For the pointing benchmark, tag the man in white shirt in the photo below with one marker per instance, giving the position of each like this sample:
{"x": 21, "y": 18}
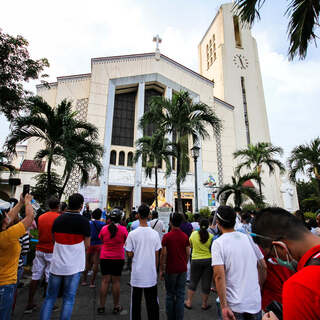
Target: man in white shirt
{"x": 143, "y": 244}
{"x": 235, "y": 261}
{"x": 157, "y": 225}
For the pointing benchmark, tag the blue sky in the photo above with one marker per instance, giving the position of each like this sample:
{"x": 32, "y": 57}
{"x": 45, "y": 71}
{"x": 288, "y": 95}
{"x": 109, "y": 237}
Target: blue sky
{"x": 69, "y": 33}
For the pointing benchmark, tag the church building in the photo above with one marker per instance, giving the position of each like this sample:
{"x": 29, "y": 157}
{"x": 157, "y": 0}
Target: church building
{"x": 115, "y": 94}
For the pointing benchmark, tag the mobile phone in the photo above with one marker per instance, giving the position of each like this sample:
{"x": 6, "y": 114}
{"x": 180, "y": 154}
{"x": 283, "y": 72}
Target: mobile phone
{"x": 276, "y": 308}
{"x": 26, "y": 189}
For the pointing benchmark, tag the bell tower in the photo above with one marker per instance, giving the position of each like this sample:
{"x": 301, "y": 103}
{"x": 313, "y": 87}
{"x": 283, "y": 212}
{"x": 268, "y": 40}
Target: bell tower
{"x": 228, "y": 55}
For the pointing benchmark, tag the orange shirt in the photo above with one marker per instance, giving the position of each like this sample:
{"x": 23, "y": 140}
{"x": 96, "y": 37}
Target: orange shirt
{"x": 45, "y": 224}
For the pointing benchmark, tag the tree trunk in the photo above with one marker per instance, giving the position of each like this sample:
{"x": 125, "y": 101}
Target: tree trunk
{"x": 180, "y": 207}
{"x": 260, "y": 188}
{"x": 49, "y": 182}
{"x": 156, "y": 185}
{"x": 64, "y": 185}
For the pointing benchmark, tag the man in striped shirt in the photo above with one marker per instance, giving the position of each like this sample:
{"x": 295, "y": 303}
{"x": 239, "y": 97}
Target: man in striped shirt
{"x": 71, "y": 233}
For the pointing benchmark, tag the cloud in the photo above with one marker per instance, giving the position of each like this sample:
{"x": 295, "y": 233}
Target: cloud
{"x": 292, "y": 94}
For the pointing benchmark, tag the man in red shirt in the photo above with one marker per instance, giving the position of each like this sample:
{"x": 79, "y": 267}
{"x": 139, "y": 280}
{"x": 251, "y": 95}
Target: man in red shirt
{"x": 44, "y": 249}
{"x": 284, "y": 237}
{"x": 173, "y": 266}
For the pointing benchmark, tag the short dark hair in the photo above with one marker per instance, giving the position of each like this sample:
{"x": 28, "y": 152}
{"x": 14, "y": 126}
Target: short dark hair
{"x": 75, "y": 201}
{"x": 226, "y": 217}
{"x": 276, "y": 224}
{"x": 237, "y": 209}
{"x": 196, "y": 217}
{"x": 53, "y": 203}
{"x": 96, "y": 214}
{"x": 155, "y": 214}
{"x": 63, "y": 206}
{"x": 143, "y": 211}
{"x": 176, "y": 219}
{"x": 245, "y": 216}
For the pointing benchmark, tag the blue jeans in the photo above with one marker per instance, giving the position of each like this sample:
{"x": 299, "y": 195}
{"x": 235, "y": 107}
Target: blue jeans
{"x": 70, "y": 286}
{"x": 175, "y": 286}
{"x": 6, "y": 300}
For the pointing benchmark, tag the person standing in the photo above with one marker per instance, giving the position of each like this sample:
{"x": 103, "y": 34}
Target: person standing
{"x": 157, "y": 225}
{"x": 235, "y": 262}
{"x": 201, "y": 269}
{"x": 71, "y": 233}
{"x": 173, "y": 267}
{"x": 10, "y": 250}
{"x": 143, "y": 244}
{"x": 93, "y": 252}
{"x": 44, "y": 249}
{"x": 113, "y": 237}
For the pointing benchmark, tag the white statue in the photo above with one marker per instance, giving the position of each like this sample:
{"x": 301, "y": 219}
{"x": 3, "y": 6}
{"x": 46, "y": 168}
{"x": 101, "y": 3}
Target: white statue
{"x": 287, "y": 194}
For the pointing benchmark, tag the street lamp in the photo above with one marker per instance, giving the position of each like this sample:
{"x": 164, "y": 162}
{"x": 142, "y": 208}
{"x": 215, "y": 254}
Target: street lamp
{"x": 195, "y": 151}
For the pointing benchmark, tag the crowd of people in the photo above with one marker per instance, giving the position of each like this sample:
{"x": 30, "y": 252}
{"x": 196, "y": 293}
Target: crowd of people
{"x": 261, "y": 265}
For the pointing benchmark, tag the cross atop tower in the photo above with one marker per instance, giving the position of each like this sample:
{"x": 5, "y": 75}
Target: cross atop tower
{"x": 157, "y": 40}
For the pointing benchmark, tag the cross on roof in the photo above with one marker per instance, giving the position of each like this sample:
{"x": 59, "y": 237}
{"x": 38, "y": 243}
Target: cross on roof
{"x": 157, "y": 40}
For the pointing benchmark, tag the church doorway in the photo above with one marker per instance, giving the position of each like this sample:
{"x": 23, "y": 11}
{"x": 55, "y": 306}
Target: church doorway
{"x": 120, "y": 197}
{"x": 147, "y": 196}
{"x": 187, "y": 201}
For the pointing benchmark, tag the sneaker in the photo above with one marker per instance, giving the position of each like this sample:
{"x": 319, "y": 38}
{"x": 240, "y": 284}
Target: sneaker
{"x": 30, "y": 309}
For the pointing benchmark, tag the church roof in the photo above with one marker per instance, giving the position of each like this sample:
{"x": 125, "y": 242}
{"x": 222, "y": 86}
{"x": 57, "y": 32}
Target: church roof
{"x": 152, "y": 54}
{"x": 33, "y": 166}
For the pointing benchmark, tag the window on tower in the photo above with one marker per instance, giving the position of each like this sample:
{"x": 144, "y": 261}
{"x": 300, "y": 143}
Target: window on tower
{"x": 211, "y": 51}
{"x": 237, "y": 35}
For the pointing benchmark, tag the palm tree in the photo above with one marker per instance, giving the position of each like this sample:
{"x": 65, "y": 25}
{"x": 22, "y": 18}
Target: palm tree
{"x": 84, "y": 154}
{"x": 57, "y": 128}
{"x": 153, "y": 151}
{"x": 239, "y": 191}
{"x": 181, "y": 118}
{"x": 257, "y": 155}
{"x": 305, "y": 158}
{"x": 303, "y": 19}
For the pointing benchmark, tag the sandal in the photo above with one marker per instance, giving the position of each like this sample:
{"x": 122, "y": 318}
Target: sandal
{"x": 117, "y": 309}
{"x": 101, "y": 310}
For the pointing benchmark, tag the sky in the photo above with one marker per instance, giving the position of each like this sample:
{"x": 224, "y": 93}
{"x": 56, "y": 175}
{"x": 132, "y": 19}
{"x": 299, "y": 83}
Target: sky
{"x": 70, "y": 33}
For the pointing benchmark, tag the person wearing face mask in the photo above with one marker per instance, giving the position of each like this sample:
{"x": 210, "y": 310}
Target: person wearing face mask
{"x": 284, "y": 237}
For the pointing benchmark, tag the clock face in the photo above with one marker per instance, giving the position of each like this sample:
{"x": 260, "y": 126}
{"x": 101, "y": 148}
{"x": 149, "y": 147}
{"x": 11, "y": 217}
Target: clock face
{"x": 240, "y": 61}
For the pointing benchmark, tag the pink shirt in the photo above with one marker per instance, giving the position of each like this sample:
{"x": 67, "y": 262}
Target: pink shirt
{"x": 113, "y": 248}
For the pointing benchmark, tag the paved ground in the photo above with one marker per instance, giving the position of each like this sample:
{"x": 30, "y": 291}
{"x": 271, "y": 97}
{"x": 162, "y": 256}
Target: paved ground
{"x": 87, "y": 300}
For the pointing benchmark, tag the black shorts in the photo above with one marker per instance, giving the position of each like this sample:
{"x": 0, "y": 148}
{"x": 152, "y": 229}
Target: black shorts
{"x": 111, "y": 267}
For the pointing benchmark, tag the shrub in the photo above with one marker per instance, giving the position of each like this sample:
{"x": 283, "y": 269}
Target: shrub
{"x": 310, "y": 215}
{"x": 205, "y": 212}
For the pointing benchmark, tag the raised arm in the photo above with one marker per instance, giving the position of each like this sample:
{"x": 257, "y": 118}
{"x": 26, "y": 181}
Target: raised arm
{"x": 27, "y": 221}
{"x": 13, "y": 213}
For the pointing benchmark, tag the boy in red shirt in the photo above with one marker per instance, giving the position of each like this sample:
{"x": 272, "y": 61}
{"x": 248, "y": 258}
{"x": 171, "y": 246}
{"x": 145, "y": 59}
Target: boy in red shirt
{"x": 173, "y": 267}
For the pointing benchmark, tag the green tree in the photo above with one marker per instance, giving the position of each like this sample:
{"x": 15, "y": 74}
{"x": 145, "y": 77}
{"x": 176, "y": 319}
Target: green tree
{"x": 257, "y": 155}
{"x": 153, "y": 151}
{"x": 181, "y": 118}
{"x": 16, "y": 67}
{"x": 60, "y": 132}
{"x": 84, "y": 155}
{"x": 40, "y": 192}
{"x": 306, "y": 189}
{"x": 239, "y": 191}
{"x": 305, "y": 159}
{"x": 303, "y": 20}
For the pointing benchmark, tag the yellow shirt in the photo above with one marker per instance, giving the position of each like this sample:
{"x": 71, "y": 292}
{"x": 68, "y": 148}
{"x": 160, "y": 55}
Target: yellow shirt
{"x": 9, "y": 253}
{"x": 200, "y": 250}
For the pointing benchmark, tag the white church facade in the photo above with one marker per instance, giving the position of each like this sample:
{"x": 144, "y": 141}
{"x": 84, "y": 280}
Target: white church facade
{"x": 115, "y": 95}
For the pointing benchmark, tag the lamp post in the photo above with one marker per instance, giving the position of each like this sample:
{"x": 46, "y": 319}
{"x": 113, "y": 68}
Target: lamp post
{"x": 195, "y": 154}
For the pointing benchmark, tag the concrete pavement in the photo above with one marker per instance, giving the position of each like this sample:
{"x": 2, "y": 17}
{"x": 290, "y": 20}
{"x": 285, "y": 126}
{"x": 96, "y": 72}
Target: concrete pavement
{"x": 87, "y": 299}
